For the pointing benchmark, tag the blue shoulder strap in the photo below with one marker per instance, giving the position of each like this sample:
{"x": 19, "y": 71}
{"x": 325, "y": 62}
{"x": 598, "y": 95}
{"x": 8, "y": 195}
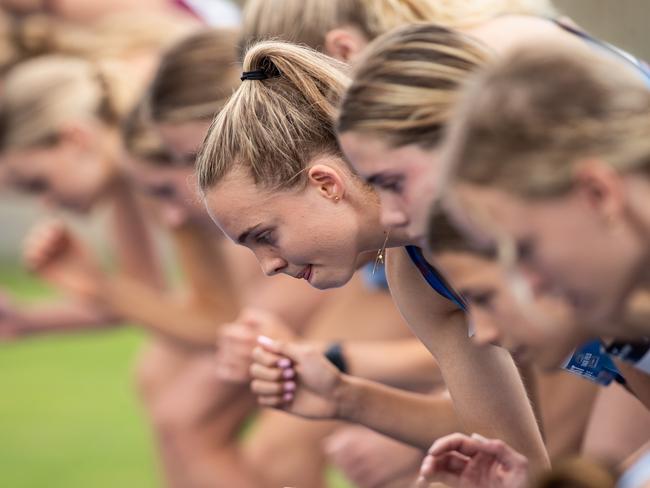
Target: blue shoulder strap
{"x": 433, "y": 277}
{"x": 641, "y": 66}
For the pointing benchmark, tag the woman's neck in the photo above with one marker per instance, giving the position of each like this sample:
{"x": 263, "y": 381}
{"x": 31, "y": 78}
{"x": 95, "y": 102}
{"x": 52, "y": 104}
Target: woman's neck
{"x": 373, "y": 235}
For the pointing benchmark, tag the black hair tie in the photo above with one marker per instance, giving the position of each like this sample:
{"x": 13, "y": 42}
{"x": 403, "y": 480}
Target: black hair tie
{"x": 258, "y": 74}
{"x": 268, "y": 70}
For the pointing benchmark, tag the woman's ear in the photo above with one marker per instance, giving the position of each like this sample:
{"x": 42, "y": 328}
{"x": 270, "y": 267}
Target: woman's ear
{"x": 327, "y": 180}
{"x": 602, "y": 188}
{"x": 345, "y": 43}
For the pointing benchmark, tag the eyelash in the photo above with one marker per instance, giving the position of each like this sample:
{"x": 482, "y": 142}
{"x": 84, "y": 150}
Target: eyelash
{"x": 392, "y": 185}
{"x": 265, "y": 237}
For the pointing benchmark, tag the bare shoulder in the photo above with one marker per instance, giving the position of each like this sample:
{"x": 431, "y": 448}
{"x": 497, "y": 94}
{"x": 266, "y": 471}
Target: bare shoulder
{"x": 411, "y": 292}
{"x": 505, "y": 33}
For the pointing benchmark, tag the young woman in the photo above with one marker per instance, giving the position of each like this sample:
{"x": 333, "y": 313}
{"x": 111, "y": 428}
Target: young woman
{"x": 589, "y": 178}
{"x": 184, "y": 95}
{"x": 275, "y": 181}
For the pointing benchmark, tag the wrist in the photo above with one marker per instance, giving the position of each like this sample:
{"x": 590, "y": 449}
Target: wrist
{"x": 346, "y": 397}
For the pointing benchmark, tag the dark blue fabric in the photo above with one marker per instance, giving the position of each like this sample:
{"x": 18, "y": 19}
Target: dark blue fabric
{"x": 434, "y": 278}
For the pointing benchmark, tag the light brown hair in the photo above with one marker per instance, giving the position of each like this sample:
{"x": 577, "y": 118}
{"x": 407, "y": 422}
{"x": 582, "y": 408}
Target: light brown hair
{"x": 308, "y": 21}
{"x": 526, "y": 121}
{"x": 273, "y": 127}
{"x": 405, "y": 86}
{"x": 195, "y": 77}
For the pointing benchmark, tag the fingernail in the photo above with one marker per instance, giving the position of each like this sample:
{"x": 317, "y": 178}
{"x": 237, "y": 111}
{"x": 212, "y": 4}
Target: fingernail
{"x": 284, "y": 363}
{"x": 289, "y": 386}
{"x": 479, "y": 437}
{"x": 287, "y": 397}
{"x": 265, "y": 341}
{"x": 287, "y": 374}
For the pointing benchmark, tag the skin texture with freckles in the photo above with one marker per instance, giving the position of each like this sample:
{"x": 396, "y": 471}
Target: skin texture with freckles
{"x": 284, "y": 237}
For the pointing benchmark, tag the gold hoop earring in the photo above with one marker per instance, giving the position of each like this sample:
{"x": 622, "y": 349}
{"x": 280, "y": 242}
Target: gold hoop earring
{"x": 381, "y": 255}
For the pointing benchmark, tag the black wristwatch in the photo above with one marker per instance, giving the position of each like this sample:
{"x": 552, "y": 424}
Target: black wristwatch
{"x": 334, "y": 354}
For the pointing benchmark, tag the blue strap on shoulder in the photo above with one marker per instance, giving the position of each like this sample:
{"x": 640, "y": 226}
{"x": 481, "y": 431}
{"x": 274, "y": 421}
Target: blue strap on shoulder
{"x": 433, "y": 277}
{"x": 641, "y": 66}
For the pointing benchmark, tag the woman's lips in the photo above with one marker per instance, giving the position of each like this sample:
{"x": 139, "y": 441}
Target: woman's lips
{"x": 304, "y": 274}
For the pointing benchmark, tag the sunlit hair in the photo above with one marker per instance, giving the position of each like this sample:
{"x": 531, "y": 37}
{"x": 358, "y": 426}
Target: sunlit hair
{"x": 195, "y": 77}
{"x": 308, "y": 21}
{"x": 526, "y": 121}
{"x": 41, "y": 95}
{"x": 273, "y": 128}
{"x": 405, "y": 86}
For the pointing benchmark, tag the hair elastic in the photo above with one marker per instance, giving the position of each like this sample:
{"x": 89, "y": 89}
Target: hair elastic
{"x": 258, "y": 74}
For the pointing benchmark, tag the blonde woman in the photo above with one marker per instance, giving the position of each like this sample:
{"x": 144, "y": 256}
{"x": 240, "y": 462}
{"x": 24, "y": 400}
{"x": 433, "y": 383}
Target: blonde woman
{"x": 184, "y": 95}
{"x": 602, "y": 146}
{"x": 301, "y": 209}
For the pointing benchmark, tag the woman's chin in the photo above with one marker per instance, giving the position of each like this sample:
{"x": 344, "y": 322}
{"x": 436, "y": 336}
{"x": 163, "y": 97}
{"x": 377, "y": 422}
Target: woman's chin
{"x": 320, "y": 282}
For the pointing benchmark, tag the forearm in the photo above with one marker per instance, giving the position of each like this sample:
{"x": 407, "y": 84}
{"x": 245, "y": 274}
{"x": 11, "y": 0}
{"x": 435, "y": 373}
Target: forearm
{"x": 162, "y": 314}
{"x": 412, "y": 418}
{"x": 65, "y": 317}
{"x": 403, "y": 363}
{"x": 132, "y": 238}
{"x": 206, "y": 270}
{"x": 484, "y": 383}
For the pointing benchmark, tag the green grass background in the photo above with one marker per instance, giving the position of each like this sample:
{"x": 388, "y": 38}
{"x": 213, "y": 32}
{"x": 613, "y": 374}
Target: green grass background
{"x": 69, "y": 417}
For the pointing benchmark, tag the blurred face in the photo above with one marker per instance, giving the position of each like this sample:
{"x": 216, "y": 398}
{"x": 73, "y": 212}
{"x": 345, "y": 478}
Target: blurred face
{"x": 564, "y": 245}
{"x": 64, "y": 174}
{"x": 184, "y": 140}
{"x": 175, "y": 191}
{"x": 313, "y": 232}
{"x": 405, "y": 179}
{"x": 540, "y": 331}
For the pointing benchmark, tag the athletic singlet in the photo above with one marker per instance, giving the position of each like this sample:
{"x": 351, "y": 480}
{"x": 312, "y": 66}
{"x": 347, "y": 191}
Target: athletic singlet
{"x": 591, "y": 361}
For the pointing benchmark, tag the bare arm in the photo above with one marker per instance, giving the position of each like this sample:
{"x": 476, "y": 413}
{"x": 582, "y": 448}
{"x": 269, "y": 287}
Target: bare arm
{"x": 298, "y": 379}
{"x": 413, "y": 418}
{"x": 403, "y": 363}
{"x": 489, "y": 396}
{"x": 132, "y": 240}
{"x": 18, "y": 322}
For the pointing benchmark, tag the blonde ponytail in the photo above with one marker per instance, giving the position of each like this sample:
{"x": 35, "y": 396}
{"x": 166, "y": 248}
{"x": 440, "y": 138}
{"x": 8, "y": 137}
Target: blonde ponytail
{"x": 273, "y": 127}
